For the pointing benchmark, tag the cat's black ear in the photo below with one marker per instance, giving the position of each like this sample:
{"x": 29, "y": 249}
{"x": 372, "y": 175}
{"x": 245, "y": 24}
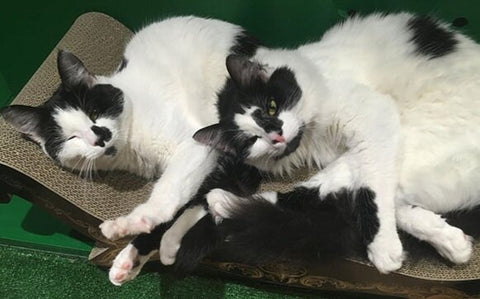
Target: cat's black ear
{"x": 243, "y": 71}
{"x": 214, "y": 136}
{"x": 24, "y": 119}
{"x": 72, "y": 71}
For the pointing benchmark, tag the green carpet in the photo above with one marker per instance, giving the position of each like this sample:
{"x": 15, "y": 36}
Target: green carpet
{"x": 27, "y": 273}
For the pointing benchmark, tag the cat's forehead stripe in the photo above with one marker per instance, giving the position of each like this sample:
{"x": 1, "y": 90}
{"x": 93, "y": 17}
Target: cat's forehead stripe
{"x": 70, "y": 119}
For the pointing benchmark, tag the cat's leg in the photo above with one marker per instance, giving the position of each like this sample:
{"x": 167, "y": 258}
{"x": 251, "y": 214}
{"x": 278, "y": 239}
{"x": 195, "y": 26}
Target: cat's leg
{"x": 128, "y": 263}
{"x": 172, "y": 239}
{"x": 369, "y": 168}
{"x": 186, "y": 170}
{"x": 449, "y": 241}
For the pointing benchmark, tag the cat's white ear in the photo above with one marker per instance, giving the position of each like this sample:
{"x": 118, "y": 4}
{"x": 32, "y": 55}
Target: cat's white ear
{"x": 24, "y": 119}
{"x": 213, "y": 136}
{"x": 245, "y": 72}
{"x": 72, "y": 71}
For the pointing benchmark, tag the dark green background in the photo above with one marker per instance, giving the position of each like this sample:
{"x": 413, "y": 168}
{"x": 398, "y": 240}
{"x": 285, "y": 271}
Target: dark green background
{"x": 30, "y": 29}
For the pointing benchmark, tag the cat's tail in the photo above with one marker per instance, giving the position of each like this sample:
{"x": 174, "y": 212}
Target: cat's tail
{"x": 258, "y": 231}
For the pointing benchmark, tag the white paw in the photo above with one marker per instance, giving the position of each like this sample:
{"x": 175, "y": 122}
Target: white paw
{"x": 386, "y": 253}
{"x": 220, "y": 202}
{"x": 126, "y": 225}
{"x": 453, "y": 244}
{"x": 169, "y": 247}
{"x": 126, "y": 265}
{"x": 331, "y": 180}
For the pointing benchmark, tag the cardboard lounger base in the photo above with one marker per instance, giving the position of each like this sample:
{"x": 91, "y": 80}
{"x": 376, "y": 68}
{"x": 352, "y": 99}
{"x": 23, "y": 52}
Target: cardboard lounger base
{"x": 99, "y": 41}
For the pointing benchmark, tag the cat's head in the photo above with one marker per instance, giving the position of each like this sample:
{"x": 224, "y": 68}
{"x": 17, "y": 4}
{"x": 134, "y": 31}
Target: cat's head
{"x": 258, "y": 113}
{"x": 79, "y": 123}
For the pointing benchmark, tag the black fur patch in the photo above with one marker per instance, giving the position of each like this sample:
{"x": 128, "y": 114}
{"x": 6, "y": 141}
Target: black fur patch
{"x": 146, "y": 243}
{"x": 300, "y": 199}
{"x": 366, "y": 214}
{"x": 431, "y": 38}
{"x": 267, "y": 122}
{"x": 103, "y": 133}
{"x": 245, "y": 44}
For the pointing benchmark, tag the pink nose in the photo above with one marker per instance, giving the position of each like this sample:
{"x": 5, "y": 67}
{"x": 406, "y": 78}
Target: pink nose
{"x": 278, "y": 139}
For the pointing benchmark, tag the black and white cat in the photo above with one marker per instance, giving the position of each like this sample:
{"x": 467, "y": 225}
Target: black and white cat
{"x": 142, "y": 117}
{"x": 387, "y": 106}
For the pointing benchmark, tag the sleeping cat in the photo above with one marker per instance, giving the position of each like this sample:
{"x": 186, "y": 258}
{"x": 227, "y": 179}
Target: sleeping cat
{"x": 385, "y": 106}
{"x": 141, "y": 117}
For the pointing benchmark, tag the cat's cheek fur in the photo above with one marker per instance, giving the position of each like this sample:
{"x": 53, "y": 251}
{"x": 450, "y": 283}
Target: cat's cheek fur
{"x": 260, "y": 149}
{"x": 291, "y": 124}
{"x": 76, "y": 149}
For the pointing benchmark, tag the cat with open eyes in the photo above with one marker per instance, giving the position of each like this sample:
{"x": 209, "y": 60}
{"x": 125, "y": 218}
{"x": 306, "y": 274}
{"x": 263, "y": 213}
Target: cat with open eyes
{"x": 386, "y": 106}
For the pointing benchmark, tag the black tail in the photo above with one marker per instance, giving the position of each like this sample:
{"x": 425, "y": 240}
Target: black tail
{"x": 312, "y": 229}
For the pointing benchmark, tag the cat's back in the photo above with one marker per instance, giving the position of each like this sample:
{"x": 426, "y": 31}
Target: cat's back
{"x": 398, "y": 54}
{"x": 178, "y": 65}
{"x": 180, "y": 49}
{"x": 182, "y": 35}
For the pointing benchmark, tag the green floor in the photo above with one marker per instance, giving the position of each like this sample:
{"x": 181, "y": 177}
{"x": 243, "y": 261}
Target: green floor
{"x": 37, "y": 274}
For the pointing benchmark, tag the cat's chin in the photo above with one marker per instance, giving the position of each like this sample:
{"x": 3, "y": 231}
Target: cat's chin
{"x": 111, "y": 151}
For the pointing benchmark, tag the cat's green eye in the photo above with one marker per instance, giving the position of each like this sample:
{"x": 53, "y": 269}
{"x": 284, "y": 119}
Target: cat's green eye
{"x": 272, "y": 107}
{"x": 93, "y": 115}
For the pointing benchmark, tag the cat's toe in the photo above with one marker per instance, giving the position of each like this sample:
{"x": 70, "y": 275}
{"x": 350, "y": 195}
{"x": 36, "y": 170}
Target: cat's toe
{"x": 127, "y": 265}
{"x": 454, "y": 245}
{"x": 140, "y": 224}
{"x": 386, "y": 255}
{"x": 109, "y": 229}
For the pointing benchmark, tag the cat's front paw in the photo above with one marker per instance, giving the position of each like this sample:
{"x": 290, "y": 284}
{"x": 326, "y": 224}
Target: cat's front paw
{"x": 220, "y": 203}
{"x": 126, "y": 226}
{"x": 331, "y": 180}
{"x": 453, "y": 244}
{"x": 126, "y": 265}
{"x": 386, "y": 253}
